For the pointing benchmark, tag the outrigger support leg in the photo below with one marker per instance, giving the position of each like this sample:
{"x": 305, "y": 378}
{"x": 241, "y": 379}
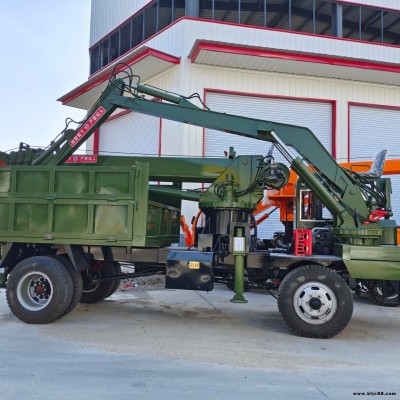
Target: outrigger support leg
{"x": 239, "y": 247}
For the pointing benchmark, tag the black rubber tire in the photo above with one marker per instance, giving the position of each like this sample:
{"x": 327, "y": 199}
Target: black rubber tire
{"x": 375, "y": 293}
{"x": 334, "y": 291}
{"x": 52, "y": 277}
{"x": 76, "y": 281}
{"x": 102, "y": 290}
{"x": 117, "y": 282}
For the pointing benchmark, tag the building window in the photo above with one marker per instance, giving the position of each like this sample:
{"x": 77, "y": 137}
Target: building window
{"x": 151, "y": 19}
{"x": 114, "y": 47}
{"x": 207, "y": 9}
{"x": 371, "y": 24}
{"x": 125, "y": 37}
{"x": 179, "y": 9}
{"x": 104, "y": 47}
{"x": 277, "y": 14}
{"x": 164, "y": 13}
{"x": 303, "y": 16}
{"x": 321, "y": 17}
{"x": 391, "y": 28}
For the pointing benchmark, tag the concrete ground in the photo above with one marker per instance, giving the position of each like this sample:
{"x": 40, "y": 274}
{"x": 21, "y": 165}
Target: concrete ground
{"x": 170, "y": 344}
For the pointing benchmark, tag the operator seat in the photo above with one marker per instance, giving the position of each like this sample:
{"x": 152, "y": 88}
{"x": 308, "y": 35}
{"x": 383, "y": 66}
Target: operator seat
{"x": 376, "y": 170}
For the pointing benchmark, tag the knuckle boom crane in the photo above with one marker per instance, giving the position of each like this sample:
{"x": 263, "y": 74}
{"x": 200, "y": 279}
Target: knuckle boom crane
{"x": 65, "y": 227}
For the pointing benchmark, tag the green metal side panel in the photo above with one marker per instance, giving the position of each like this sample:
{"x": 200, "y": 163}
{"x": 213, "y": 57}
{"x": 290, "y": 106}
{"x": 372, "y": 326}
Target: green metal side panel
{"x": 371, "y": 262}
{"x": 174, "y": 168}
{"x": 84, "y": 205}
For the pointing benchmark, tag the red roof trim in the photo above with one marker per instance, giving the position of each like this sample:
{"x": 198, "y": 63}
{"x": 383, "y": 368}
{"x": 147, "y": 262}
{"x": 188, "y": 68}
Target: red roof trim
{"x": 237, "y": 50}
{"x": 90, "y": 84}
{"x": 268, "y": 96}
{"x": 372, "y": 105}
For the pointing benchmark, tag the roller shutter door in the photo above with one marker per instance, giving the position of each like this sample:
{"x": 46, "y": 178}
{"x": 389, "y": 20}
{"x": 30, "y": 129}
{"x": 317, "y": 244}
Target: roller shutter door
{"x": 371, "y": 130}
{"x": 131, "y": 134}
{"x": 314, "y": 115}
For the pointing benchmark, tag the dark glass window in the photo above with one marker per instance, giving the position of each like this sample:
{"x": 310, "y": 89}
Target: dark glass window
{"x": 229, "y": 11}
{"x": 278, "y": 14}
{"x": 391, "y": 27}
{"x": 178, "y": 9}
{"x": 302, "y": 14}
{"x": 323, "y": 17}
{"x": 351, "y": 22}
{"x": 223, "y": 10}
{"x": 164, "y": 13}
{"x": 252, "y": 12}
{"x": 206, "y": 9}
{"x": 150, "y": 20}
{"x": 125, "y": 39}
{"x": 104, "y": 50}
{"x": 114, "y": 46}
{"x": 95, "y": 59}
{"x": 371, "y": 24}
{"x": 137, "y": 30}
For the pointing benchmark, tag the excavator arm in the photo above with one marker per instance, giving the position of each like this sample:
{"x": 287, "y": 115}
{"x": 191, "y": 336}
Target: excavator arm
{"x": 332, "y": 184}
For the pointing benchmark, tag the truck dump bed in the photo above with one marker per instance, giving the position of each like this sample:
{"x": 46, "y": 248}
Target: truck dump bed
{"x": 85, "y": 205}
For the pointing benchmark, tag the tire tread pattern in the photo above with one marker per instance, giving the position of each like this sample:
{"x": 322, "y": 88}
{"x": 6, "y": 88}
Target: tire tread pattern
{"x": 62, "y": 289}
{"x": 297, "y": 277}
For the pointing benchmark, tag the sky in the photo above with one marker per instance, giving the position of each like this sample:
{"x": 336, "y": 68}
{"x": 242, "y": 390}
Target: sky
{"x": 44, "y": 55}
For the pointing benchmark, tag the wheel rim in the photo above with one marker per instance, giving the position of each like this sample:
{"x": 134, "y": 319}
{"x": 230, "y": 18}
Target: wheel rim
{"x": 93, "y": 283}
{"x": 35, "y": 291}
{"x": 91, "y": 288}
{"x": 392, "y": 293}
{"x": 315, "y": 303}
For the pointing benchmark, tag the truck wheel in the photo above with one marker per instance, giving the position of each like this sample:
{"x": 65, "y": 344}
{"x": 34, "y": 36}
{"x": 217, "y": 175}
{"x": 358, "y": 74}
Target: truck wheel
{"x": 76, "y": 281}
{"x": 315, "y": 302}
{"x": 39, "y": 290}
{"x": 390, "y": 300}
{"x": 95, "y": 290}
{"x": 117, "y": 282}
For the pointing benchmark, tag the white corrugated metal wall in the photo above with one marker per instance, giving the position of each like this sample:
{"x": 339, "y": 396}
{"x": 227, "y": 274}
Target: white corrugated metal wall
{"x": 314, "y": 115}
{"x": 130, "y": 134}
{"x": 371, "y": 130}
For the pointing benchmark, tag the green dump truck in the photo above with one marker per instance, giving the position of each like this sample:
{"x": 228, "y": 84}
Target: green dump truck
{"x": 65, "y": 227}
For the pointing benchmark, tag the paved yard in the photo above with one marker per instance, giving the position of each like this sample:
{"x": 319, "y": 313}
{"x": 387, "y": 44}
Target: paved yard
{"x": 167, "y": 344}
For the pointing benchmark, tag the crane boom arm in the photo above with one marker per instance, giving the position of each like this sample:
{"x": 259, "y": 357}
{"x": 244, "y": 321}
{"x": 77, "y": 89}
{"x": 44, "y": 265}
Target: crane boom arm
{"x": 338, "y": 191}
{"x": 334, "y": 186}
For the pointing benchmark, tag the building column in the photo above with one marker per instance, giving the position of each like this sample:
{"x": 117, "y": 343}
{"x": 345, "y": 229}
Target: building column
{"x": 337, "y": 19}
{"x": 192, "y": 8}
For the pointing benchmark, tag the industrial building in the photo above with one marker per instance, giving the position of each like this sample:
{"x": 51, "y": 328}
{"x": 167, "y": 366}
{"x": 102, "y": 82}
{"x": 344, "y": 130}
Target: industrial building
{"x": 330, "y": 65}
